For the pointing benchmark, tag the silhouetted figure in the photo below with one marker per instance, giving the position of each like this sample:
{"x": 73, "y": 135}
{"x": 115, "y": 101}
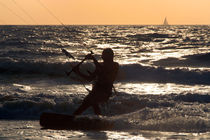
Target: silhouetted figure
{"x": 104, "y": 77}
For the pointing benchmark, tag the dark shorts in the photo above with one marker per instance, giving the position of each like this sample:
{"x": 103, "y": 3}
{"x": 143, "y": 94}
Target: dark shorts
{"x": 99, "y": 94}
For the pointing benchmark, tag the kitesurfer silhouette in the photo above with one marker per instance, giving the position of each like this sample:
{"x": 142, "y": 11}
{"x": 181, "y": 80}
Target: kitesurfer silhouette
{"x": 104, "y": 76}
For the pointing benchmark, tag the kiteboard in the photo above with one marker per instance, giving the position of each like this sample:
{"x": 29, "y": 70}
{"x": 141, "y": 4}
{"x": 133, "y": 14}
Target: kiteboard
{"x": 69, "y": 122}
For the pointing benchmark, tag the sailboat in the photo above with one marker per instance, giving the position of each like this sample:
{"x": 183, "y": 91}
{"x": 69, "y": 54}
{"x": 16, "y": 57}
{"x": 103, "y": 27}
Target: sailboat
{"x": 165, "y": 21}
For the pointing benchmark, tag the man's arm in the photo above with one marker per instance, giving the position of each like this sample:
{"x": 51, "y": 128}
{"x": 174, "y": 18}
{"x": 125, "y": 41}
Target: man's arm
{"x": 116, "y": 69}
{"x": 89, "y": 77}
{"x": 97, "y": 64}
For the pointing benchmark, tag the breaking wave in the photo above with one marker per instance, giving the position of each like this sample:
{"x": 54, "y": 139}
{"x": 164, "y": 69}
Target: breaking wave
{"x": 128, "y": 72}
{"x": 196, "y": 60}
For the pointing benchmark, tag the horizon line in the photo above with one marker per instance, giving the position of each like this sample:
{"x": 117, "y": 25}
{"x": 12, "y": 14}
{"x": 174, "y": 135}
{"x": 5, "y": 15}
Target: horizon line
{"x": 89, "y": 24}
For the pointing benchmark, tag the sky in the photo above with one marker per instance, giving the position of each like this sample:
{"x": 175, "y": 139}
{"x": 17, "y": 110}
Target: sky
{"x": 71, "y": 12}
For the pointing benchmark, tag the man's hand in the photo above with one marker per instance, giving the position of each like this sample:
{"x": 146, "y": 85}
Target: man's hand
{"x": 89, "y": 56}
{"x": 76, "y": 69}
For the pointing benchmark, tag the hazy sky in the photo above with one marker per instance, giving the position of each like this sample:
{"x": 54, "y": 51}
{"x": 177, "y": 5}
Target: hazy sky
{"x": 105, "y": 11}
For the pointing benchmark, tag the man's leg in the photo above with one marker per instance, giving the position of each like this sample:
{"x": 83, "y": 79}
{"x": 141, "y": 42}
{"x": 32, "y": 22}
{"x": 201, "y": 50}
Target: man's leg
{"x": 96, "y": 109}
{"x": 82, "y": 108}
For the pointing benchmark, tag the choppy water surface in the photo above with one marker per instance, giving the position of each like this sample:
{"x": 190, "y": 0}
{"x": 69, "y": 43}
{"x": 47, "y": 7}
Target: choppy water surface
{"x": 163, "y": 83}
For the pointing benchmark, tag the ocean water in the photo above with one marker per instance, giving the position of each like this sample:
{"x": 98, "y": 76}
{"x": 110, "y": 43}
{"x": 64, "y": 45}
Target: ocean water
{"x": 163, "y": 85}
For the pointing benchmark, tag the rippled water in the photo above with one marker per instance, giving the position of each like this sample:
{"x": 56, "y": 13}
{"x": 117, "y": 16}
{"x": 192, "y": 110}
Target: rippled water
{"x": 163, "y": 82}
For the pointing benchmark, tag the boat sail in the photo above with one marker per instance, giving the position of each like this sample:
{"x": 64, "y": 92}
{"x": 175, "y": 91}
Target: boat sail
{"x": 165, "y": 21}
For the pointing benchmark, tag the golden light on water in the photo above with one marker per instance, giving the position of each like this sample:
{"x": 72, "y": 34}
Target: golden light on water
{"x": 158, "y": 88}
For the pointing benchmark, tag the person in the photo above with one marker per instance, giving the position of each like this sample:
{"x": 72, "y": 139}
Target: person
{"x": 104, "y": 76}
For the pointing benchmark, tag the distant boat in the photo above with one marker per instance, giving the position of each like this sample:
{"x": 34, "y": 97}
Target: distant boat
{"x": 165, "y": 21}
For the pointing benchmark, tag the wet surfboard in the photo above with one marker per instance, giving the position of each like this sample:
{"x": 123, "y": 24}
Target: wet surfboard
{"x": 63, "y": 121}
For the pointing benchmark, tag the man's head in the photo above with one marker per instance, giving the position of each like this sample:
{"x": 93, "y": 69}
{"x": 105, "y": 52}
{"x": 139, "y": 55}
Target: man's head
{"x": 108, "y": 54}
